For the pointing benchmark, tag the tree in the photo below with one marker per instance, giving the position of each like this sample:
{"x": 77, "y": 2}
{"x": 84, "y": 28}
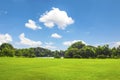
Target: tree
{"x": 41, "y": 52}
{"x": 31, "y": 52}
{"x": 76, "y": 50}
{"x": 77, "y": 45}
{"x": 7, "y": 52}
{"x": 103, "y": 51}
{"x": 18, "y": 52}
{"x": 6, "y": 45}
{"x": 7, "y": 49}
{"x": 118, "y": 52}
{"x": 56, "y": 54}
{"x": 87, "y": 52}
{"x": 1, "y": 53}
{"x": 107, "y": 51}
{"x": 71, "y": 53}
{"x": 62, "y": 53}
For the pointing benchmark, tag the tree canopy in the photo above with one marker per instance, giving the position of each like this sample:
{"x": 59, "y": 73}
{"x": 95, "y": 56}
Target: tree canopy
{"x": 76, "y": 50}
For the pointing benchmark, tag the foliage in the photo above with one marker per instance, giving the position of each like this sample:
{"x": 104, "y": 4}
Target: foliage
{"x": 76, "y": 50}
{"x": 78, "y": 45}
{"x": 80, "y": 50}
{"x": 71, "y": 53}
{"x": 7, "y": 50}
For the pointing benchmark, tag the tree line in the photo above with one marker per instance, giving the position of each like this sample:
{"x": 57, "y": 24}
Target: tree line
{"x": 76, "y": 50}
{"x": 7, "y": 50}
{"x": 80, "y": 50}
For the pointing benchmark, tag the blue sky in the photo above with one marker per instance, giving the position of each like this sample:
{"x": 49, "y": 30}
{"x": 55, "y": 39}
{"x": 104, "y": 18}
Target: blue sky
{"x": 56, "y": 24}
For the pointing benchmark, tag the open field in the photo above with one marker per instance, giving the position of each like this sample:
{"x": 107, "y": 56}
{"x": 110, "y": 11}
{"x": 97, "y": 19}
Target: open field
{"x": 59, "y": 69}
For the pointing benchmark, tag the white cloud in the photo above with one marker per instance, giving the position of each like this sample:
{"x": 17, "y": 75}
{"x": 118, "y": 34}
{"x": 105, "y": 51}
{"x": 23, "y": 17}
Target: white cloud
{"x": 32, "y": 25}
{"x": 27, "y": 42}
{"x": 116, "y": 44}
{"x": 113, "y": 44}
{"x": 68, "y": 43}
{"x": 5, "y": 38}
{"x": 56, "y": 17}
{"x": 49, "y": 45}
{"x": 55, "y": 35}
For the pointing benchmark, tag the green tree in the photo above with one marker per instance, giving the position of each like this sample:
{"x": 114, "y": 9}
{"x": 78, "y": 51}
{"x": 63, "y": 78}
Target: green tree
{"x": 7, "y": 49}
{"x": 77, "y": 45}
{"x": 62, "y": 53}
{"x": 72, "y": 53}
{"x": 31, "y": 52}
{"x": 41, "y": 52}
{"x": 56, "y": 54}
{"x": 118, "y": 52}
{"x": 7, "y": 52}
{"x": 103, "y": 51}
{"x": 87, "y": 52}
{"x": 18, "y": 52}
{"x": 1, "y": 53}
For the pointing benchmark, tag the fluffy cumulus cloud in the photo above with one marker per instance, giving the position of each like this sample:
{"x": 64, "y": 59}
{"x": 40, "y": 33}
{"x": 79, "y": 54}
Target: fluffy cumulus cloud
{"x": 5, "y": 38}
{"x": 111, "y": 44}
{"x": 114, "y": 44}
{"x": 55, "y": 35}
{"x": 68, "y": 43}
{"x": 56, "y": 17}
{"x": 32, "y": 25}
{"x": 27, "y": 42}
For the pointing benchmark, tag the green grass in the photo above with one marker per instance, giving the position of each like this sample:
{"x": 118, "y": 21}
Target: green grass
{"x": 59, "y": 69}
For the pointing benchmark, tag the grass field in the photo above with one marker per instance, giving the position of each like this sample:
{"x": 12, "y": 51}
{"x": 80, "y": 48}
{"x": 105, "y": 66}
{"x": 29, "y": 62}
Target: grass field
{"x": 59, "y": 69}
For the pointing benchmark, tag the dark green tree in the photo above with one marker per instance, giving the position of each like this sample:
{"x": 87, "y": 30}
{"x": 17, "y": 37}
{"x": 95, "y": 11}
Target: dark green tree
{"x": 72, "y": 53}
{"x": 56, "y": 54}
{"x": 87, "y": 52}
{"x": 18, "y": 52}
{"x": 7, "y": 49}
{"x": 77, "y": 45}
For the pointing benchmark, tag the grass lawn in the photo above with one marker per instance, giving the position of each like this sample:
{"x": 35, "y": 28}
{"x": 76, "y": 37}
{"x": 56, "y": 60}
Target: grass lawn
{"x": 59, "y": 69}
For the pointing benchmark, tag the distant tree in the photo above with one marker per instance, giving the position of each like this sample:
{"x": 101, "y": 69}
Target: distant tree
{"x": 62, "y": 53}
{"x": 71, "y": 52}
{"x": 107, "y": 51}
{"x": 1, "y": 54}
{"x": 76, "y": 50}
{"x": 87, "y": 52}
{"x": 56, "y": 54}
{"x": 31, "y": 52}
{"x": 118, "y": 52}
{"x": 77, "y": 45}
{"x": 114, "y": 53}
{"x": 42, "y": 52}
{"x": 7, "y": 52}
{"x": 25, "y": 52}
{"x": 103, "y": 51}
{"x": 18, "y": 52}
{"x": 7, "y": 49}
{"x": 6, "y": 45}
